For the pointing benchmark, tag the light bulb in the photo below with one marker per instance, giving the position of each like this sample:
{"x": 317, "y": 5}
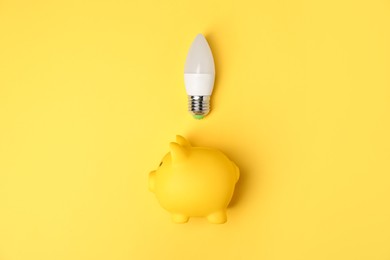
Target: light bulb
{"x": 199, "y": 75}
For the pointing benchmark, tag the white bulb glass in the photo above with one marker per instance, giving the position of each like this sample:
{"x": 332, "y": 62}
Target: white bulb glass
{"x": 199, "y": 76}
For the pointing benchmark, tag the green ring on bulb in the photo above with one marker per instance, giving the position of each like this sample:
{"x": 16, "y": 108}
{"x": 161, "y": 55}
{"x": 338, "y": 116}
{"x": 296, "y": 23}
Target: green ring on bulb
{"x": 198, "y": 117}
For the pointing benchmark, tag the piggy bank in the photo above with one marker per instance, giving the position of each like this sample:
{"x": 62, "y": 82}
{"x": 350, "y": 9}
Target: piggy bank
{"x": 194, "y": 182}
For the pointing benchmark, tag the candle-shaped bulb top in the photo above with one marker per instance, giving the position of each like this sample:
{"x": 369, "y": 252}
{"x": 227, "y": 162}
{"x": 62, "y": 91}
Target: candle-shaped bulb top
{"x": 199, "y": 75}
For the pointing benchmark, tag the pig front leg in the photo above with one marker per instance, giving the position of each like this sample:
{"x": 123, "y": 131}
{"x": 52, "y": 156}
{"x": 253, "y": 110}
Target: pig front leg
{"x": 179, "y": 218}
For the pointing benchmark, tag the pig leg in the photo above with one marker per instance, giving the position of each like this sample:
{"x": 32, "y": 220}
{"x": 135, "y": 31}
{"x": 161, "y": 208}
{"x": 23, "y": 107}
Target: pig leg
{"x": 218, "y": 217}
{"x": 179, "y": 218}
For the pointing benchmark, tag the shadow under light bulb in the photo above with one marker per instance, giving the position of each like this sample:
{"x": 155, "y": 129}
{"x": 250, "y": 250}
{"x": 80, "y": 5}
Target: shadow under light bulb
{"x": 199, "y": 75}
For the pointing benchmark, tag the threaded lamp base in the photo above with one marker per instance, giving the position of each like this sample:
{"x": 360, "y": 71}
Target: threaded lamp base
{"x": 199, "y": 106}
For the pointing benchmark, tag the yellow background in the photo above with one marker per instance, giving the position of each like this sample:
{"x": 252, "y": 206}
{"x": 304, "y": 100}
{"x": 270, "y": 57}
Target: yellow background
{"x": 91, "y": 93}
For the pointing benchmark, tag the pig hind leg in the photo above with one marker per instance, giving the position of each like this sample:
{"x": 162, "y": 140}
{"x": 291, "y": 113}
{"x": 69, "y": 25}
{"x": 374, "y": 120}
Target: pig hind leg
{"x": 218, "y": 217}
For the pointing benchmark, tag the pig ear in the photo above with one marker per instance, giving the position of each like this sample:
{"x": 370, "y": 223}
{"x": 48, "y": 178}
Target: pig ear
{"x": 182, "y": 141}
{"x": 178, "y": 152}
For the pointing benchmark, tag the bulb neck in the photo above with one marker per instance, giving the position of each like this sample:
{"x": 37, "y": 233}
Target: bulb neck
{"x": 199, "y": 106}
{"x": 198, "y": 84}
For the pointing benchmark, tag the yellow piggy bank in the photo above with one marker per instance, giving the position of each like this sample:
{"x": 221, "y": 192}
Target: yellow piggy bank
{"x": 194, "y": 182}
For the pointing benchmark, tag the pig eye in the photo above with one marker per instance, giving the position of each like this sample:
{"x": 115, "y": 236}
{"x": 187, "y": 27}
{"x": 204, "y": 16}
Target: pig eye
{"x": 160, "y": 164}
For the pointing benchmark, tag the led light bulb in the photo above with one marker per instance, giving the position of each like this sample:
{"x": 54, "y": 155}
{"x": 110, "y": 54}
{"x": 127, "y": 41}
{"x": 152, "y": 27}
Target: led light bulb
{"x": 199, "y": 75}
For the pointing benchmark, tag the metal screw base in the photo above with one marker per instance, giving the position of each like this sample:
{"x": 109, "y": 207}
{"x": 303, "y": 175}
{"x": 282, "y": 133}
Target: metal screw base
{"x": 199, "y": 106}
